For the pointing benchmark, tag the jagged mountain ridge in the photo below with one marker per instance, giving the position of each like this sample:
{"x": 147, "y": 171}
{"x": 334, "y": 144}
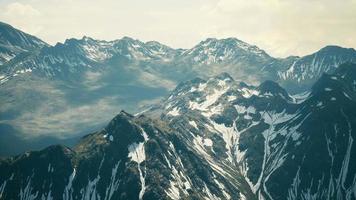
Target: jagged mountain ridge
{"x": 230, "y": 54}
{"x": 239, "y": 58}
{"x": 78, "y": 56}
{"x": 215, "y": 139}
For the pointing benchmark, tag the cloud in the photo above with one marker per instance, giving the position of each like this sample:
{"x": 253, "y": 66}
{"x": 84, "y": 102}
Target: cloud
{"x": 92, "y": 80}
{"x": 23, "y": 16}
{"x": 68, "y": 120}
{"x": 285, "y": 27}
{"x": 24, "y": 10}
{"x": 58, "y": 112}
{"x": 155, "y": 81}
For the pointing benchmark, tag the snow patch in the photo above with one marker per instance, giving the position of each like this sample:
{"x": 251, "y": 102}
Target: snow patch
{"x": 231, "y": 98}
{"x": 68, "y": 190}
{"x": 247, "y": 93}
{"x": 174, "y": 112}
{"x": 192, "y": 123}
{"x": 137, "y": 152}
{"x": 144, "y": 134}
{"x": 208, "y": 142}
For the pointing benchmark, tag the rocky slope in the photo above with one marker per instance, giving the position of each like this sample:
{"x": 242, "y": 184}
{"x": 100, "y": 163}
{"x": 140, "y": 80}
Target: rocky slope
{"x": 303, "y": 72}
{"x": 132, "y": 158}
{"x": 282, "y": 146}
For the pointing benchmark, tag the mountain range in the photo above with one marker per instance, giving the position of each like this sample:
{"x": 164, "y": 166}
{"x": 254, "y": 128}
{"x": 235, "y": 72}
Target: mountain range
{"x": 56, "y": 94}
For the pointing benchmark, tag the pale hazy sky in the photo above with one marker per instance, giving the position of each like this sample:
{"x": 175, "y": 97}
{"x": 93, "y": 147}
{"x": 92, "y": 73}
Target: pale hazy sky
{"x": 281, "y": 27}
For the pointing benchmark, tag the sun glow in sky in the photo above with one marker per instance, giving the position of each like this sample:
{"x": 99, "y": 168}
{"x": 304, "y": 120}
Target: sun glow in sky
{"x": 281, "y": 27}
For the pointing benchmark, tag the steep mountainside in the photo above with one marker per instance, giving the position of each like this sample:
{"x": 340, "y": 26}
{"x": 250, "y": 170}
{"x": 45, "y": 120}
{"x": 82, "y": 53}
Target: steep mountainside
{"x": 14, "y": 42}
{"x": 284, "y": 147}
{"x": 209, "y": 139}
{"x": 304, "y": 71}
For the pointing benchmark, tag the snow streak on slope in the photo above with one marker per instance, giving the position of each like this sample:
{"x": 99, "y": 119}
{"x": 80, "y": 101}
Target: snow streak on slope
{"x": 67, "y": 195}
{"x": 137, "y": 154}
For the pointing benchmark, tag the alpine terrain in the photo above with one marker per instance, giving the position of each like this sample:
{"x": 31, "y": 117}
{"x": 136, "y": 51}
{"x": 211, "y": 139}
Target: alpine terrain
{"x": 210, "y": 138}
{"x": 53, "y": 94}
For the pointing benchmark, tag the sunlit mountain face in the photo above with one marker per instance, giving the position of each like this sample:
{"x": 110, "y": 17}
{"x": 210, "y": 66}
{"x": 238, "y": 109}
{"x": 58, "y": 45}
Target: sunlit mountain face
{"x": 126, "y": 119}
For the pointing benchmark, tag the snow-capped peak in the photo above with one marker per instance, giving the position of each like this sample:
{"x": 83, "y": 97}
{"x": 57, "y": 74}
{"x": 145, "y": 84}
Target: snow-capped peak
{"x": 214, "y": 50}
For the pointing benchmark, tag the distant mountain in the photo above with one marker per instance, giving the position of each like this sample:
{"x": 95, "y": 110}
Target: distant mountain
{"x": 78, "y": 56}
{"x": 13, "y": 42}
{"x": 208, "y": 58}
{"x": 304, "y": 71}
{"x": 209, "y": 139}
{"x": 45, "y": 88}
{"x": 230, "y": 51}
{"x": 213, "y": 56}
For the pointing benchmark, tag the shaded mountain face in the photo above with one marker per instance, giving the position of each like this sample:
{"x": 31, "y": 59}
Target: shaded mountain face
{"x": 209, "y": 139}
{"x": 14, "y": 42}
{"x": 57, "y": 93}
{"x": 302, "y": 72}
